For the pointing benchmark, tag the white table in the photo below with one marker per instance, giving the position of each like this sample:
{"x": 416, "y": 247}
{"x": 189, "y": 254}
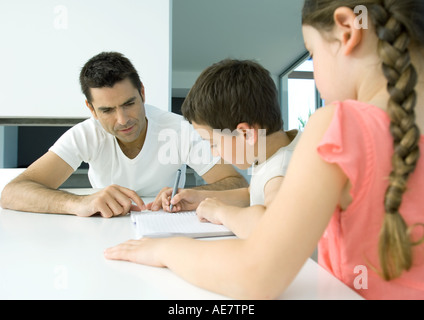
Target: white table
{"x": 47, "y": 256}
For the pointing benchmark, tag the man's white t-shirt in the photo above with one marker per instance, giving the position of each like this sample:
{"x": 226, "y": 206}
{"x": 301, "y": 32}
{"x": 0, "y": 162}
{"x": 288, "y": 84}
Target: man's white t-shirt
{"x": 274, "y": 166}
{"x": 170, "y": 143}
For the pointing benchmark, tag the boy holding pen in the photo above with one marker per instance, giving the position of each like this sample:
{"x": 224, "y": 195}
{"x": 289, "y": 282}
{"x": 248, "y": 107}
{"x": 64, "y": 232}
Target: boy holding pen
{"x": 234, "y": 106}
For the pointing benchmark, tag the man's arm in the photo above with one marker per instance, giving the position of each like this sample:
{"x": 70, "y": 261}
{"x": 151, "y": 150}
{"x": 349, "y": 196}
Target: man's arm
{"x": 35, "y": 190}
{"x": 223, "y": 177}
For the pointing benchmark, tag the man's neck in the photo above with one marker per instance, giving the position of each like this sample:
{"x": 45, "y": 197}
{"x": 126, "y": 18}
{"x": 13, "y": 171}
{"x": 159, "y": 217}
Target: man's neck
{"x": 132, "y": 149}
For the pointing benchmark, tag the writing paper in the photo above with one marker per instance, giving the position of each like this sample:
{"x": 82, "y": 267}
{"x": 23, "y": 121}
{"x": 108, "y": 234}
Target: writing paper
{"x": 155, "y": 224}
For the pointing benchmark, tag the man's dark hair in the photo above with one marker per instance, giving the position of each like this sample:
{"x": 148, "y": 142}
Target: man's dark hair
{"x": 231, "y": 92}
{"x": 106, "y": 69}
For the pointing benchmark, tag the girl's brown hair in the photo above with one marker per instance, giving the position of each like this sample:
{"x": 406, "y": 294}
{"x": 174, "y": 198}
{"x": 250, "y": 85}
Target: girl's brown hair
{"x": 399, "y": 25}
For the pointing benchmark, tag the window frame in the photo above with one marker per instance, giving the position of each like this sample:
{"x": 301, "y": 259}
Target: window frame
{"x": 284, "y": 77}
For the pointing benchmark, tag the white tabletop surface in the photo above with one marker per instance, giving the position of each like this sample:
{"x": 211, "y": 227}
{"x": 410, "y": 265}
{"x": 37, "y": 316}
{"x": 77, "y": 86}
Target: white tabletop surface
{"x": 48, "y": 256}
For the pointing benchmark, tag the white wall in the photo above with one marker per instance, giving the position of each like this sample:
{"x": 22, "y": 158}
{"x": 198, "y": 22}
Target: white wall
{"x": 182, "y": 81}
{"x": 45, "y": 43}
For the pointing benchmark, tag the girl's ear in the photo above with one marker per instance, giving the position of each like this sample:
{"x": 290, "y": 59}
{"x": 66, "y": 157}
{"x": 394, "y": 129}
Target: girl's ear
{"x": 346, "y": 29}
{"x": 250, "y": 133}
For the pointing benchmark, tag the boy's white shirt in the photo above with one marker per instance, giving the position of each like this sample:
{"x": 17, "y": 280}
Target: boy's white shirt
{"x": 274, "y": 166}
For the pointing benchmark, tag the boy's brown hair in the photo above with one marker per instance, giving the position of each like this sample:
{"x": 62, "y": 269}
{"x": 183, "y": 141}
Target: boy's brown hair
{"x": 231, "y": 92}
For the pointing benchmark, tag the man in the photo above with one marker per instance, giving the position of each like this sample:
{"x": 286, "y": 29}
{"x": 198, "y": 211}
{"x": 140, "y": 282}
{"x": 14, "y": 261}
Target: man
{"x": 122, "y": 143}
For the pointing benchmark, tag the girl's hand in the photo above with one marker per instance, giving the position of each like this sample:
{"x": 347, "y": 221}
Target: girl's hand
{"x": 144, "y": 251}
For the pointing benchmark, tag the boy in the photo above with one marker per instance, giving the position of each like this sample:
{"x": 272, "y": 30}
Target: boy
{"x": 234, "y": 105}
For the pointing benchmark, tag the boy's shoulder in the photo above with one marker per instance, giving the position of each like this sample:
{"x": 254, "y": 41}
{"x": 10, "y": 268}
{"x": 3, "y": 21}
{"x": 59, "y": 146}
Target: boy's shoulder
{"x": 294, "y": 136}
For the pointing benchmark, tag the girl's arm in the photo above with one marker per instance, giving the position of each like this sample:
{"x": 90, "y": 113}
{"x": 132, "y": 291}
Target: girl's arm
{"x": 263, "y": 265}
{"x": 239, "y": 220}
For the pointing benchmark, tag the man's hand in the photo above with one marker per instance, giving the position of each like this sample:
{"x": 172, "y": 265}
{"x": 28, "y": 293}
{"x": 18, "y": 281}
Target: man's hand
{"x": 184, "y": 200}
{"x": 109, "y": 202}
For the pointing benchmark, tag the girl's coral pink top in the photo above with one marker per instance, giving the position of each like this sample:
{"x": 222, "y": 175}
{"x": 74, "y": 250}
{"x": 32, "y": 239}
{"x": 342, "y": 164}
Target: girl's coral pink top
{"x": 359, "y": 142}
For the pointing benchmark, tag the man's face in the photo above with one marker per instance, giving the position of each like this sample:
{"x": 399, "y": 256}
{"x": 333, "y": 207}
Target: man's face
{"x": 120, "y": 110}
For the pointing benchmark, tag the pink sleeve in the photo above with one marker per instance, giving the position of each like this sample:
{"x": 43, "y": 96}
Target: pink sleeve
{"x": 346, "y": 143}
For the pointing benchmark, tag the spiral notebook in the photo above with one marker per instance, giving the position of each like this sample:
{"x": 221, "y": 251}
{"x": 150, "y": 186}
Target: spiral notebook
{"x": 158, "y": 224}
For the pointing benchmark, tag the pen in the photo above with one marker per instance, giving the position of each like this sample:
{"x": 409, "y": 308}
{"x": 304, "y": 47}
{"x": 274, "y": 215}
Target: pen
{"x": 174, "y": 191}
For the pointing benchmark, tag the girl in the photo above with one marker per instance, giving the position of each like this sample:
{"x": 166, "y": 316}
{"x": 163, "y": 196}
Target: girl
{"x": 356, "y": 180}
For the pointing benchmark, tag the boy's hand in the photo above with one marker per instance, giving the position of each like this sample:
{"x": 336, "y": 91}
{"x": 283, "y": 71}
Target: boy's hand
{"x": 209, "y": 210}
{"x": 184, "y": 200}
